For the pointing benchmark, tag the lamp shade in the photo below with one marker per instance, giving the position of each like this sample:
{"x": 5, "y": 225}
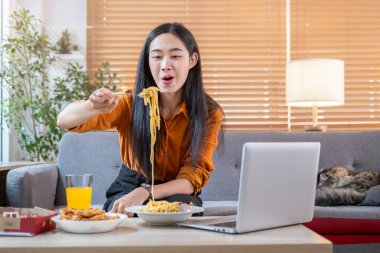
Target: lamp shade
{"x": 315, "y": 82}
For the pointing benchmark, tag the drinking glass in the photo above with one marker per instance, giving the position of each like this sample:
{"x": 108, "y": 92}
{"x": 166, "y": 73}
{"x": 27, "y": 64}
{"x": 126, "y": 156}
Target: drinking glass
{"x": 79, "y": 191}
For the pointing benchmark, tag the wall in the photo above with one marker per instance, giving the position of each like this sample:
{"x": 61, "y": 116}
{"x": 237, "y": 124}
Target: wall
{"x": 65, "y": 13}
{"x": 57, "y": 12}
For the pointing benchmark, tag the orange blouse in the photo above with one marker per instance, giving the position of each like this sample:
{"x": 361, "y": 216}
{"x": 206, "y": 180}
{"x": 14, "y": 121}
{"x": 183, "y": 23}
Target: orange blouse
{"x": 172, "y": 155}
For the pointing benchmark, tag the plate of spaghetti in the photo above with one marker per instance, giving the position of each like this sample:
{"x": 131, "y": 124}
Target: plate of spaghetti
{"x": 88, "y": 221}
{"x": 163, "y": 212}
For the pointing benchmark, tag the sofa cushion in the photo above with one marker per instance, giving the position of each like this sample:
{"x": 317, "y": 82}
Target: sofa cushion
{"x": 347, "y": 220}
{"x": 372, "y": 197}
{"x": 327, "y": 220}
{"x": 96, "y": 153}
{"x": 41, "y": 178}
{"x": 219, "y": 208}
{"x": 351, "y": 212}
{"x": 349, "y": 149}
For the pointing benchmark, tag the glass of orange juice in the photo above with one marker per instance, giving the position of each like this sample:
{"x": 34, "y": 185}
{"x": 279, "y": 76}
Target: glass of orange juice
{"x": 79, "y": 191}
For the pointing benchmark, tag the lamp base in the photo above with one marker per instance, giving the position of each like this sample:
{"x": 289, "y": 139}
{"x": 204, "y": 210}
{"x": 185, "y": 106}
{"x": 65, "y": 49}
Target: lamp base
{"x": 315, "y": 128}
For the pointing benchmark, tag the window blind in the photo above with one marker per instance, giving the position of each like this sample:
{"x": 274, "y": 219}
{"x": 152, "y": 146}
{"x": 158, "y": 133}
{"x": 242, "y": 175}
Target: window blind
{"x": 243, "y": 52}
{"x": 242, "y": 45}
{"x": 347, "y": 30}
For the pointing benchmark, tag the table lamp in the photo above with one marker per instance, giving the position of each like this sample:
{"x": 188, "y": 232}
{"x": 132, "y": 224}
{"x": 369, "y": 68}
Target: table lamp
{"x": 315, "y": 83}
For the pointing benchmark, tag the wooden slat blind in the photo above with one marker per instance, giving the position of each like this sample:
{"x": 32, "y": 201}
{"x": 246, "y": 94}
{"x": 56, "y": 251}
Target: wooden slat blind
{"x": 243, "y": 52}
{"x": 242, "y": 44}
{"x": 347, "y": 30}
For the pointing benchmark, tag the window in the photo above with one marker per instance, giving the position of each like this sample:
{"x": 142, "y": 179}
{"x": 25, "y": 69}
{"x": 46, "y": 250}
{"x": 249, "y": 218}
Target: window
{"x": 242, "y": 46}
{"x": 347, "y": 30}
{"x": 243, "y": 50}
{"x": 4, "y": 136}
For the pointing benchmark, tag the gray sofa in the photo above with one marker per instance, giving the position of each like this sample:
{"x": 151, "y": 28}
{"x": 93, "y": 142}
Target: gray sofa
{"x": 98, "y": 153}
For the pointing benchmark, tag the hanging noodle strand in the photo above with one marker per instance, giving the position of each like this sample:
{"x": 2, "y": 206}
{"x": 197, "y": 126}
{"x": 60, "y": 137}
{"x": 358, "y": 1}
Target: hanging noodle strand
{"x": 150, "y": 96}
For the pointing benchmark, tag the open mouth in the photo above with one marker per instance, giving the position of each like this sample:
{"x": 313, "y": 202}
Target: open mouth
{"x": 167, "y": 78}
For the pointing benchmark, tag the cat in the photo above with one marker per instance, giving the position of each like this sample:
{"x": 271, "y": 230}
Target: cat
{"x": 339, "y": 186}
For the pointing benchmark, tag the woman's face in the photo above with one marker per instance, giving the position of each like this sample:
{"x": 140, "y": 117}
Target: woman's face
{"x": 170, "y": 62}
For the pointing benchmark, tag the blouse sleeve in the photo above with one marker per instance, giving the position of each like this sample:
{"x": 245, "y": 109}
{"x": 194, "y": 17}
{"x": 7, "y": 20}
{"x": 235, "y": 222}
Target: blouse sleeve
{"x": 199, "y": 175}
{"x": 107, "y": 121}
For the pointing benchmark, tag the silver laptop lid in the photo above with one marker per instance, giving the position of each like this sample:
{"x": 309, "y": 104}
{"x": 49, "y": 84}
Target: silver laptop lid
{"x": 277, "y": 184}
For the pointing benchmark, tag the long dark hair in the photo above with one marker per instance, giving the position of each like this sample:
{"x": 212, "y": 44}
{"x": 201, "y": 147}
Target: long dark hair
{"x": 198, "y": 103}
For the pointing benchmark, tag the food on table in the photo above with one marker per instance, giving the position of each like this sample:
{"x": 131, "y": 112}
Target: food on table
{"x": 162, "y": 207}
{"x": 92, "y": 214}
{"x": 150, "y": 96}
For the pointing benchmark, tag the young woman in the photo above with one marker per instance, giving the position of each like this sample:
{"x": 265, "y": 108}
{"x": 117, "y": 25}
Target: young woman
{"x": 190, "y": 123}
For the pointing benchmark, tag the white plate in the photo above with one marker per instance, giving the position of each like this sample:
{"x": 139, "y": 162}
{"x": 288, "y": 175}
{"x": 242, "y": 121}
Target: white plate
{"x": 89, "y": 227}
{"x": 157, "y": 218}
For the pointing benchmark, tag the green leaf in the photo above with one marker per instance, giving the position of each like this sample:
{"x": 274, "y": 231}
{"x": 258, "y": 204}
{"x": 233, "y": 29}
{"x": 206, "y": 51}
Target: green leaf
{"x": 35, "y": 97}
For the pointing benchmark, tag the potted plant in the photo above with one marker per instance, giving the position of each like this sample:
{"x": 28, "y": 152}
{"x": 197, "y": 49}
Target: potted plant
{"x": 29, "y": 110}
{"x": 64, "y": 43}
{"x": 77, "y": 85}
{"x": 34, "y": 99}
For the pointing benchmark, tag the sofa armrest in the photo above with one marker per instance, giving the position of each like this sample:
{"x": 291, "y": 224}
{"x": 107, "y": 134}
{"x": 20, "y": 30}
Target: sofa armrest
{"x": 32, "y": 186}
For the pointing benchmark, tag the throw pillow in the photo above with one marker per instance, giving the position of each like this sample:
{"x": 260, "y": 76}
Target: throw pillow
{"x": 372, "y": 197}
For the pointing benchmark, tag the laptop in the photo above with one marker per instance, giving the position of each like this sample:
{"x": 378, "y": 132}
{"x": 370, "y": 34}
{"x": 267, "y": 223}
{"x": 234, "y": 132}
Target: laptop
{"x": 277, "y": 188}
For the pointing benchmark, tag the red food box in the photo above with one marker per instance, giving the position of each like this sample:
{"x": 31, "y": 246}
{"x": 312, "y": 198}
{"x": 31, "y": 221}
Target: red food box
{"x": 25, "y": 221}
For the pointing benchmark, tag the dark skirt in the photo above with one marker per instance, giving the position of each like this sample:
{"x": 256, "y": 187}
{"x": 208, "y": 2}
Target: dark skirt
{"x": 128, "y": 180}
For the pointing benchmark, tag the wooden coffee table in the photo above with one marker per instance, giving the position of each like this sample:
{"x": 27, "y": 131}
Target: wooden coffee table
{"x": 133, "y": 235}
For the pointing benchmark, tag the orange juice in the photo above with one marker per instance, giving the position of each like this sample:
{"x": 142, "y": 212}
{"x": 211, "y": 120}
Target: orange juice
{"x": 79, "y": 197}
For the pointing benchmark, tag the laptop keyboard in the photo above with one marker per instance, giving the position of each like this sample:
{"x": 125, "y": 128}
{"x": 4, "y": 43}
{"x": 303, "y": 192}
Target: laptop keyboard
{"x": 231, "y": 224}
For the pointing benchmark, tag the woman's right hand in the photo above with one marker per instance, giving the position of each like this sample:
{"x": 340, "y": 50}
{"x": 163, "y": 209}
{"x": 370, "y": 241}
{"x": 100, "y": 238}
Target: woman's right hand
{"x": 103, "y": 100}
{"x": 135, "y": 198}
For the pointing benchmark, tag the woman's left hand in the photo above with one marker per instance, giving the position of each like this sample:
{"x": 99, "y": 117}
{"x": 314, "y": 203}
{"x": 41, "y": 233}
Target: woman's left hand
{"x": 135, "y": 198}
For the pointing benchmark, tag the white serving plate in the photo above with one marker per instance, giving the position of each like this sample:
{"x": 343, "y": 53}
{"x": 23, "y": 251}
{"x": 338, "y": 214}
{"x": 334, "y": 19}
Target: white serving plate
{"x": 158, "y": 218}
{"x": 89, "y": 227}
